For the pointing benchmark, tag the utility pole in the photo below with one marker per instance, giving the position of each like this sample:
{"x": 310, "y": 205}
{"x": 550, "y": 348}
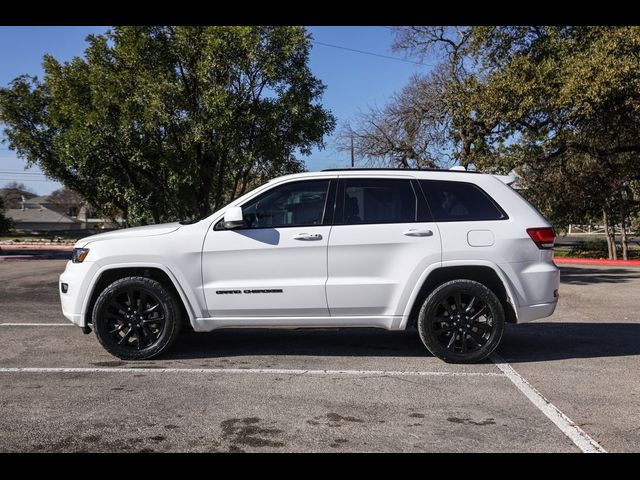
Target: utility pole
{"x": 353, "y": 164}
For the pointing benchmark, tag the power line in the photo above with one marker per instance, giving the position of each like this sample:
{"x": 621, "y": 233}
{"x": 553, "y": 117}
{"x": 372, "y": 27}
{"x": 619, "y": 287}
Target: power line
{"x": 388, "y": 57}
{"x": 25, "y": 180}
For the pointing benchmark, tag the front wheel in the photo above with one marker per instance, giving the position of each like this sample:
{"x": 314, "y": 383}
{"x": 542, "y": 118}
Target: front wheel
{"x": 136, "y": 318}
{"x": 461, "y": 321}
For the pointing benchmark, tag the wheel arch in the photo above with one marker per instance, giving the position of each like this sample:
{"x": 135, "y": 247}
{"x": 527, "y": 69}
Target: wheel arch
{"x": 487, "y": 274}
{"x": 109, "y": 274}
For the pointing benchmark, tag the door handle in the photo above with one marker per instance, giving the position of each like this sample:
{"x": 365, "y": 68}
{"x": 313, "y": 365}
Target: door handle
{"x": 412, "y": 232}
{"x": 308, "y": 236}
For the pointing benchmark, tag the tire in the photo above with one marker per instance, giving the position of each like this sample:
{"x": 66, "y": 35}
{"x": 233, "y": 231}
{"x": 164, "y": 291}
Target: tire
{"x": 131, "y": 331}
{"x": 450, "y": 337}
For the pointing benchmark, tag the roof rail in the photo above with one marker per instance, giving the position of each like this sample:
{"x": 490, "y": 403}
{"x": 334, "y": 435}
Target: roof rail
{"x": 351, "y": 169}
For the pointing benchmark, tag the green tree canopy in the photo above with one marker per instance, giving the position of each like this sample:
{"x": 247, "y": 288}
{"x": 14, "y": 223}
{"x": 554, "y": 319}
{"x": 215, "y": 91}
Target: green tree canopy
{"x": 568, "y": 99}
{"x": 166, "y": 123}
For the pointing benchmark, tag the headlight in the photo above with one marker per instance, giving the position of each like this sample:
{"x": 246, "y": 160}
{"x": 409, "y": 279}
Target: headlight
{"x": 79, "y": 254}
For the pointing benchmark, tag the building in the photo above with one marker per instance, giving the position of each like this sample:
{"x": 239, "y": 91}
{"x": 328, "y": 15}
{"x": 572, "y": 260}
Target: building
{"x": 41, "y": 214}
{"x": 41, "y": 219}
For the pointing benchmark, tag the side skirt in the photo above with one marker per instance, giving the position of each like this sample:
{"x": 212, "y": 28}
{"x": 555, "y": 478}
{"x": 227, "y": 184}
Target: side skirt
{"x": 386, "y": 322}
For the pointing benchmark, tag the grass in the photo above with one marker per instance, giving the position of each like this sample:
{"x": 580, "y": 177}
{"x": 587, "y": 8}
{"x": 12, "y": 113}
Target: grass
{"x": 594, "y": 249}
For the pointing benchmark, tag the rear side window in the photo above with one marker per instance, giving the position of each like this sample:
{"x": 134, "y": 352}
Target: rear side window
{"x": 379, "y": 201}
{"x": 460, "y": 201}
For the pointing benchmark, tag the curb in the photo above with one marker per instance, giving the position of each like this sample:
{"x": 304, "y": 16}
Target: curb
{"x": 7, "y": 247}
{"x": 16, "y": 258}
{"x": 598, "y": 261}
{"x": 33, "y": 252}
{"x": 9, "y": 258}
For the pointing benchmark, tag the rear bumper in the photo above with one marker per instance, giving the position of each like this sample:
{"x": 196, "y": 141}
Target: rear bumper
{"x": 534, "y": 312}
{"x": 536, "y": 286}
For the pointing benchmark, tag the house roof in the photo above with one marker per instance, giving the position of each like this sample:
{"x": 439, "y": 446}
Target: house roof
{"x": 37, "y": 215}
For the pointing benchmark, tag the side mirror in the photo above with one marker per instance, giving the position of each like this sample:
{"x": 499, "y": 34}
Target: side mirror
{"x": 233, "y": 217}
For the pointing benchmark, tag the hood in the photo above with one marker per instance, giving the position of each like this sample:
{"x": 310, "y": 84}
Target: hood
{"x": 146, "y": 231}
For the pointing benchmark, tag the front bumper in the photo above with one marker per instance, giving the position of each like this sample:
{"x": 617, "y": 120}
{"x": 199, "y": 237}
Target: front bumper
{"x": 76, "y": 276}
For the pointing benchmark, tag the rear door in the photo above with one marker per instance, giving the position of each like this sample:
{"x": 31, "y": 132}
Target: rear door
{"x": 382, "y": 240}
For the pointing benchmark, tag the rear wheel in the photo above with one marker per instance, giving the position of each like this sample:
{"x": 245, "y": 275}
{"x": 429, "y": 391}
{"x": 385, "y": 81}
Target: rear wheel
{"x": 461, "y": 321}
{"x": 136, "y": 318}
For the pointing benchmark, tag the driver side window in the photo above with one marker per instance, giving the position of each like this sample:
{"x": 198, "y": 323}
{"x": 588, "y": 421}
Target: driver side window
{"x": 292, "y": 204}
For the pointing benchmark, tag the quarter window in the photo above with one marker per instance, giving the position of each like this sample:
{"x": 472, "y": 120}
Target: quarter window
{"x": 379, "y": 201}
{"x": 292, "y": 204}
{"x": 453, "y": 201}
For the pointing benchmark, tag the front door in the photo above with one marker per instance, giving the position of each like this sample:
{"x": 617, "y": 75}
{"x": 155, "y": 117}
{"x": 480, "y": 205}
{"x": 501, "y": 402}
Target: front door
{"x": 276, "y": 264}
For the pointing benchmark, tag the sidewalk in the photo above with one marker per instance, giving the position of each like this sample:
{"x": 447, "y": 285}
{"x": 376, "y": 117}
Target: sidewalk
{"x": 598, "y": 261}
{"x": 53, "y": 246}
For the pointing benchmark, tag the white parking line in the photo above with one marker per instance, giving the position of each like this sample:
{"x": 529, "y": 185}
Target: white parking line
{"x": 578, "y": 436}
{"x": 277, "y": 371}
{"x": 9, "y": 324}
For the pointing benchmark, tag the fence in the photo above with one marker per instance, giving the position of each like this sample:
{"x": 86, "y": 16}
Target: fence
{"x": 594, "y": 230}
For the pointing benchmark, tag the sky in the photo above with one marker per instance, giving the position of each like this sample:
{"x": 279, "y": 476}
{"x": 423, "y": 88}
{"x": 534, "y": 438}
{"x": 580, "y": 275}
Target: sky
{"x": 355, "y": 81}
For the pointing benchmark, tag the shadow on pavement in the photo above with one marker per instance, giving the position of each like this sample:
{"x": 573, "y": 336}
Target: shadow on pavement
{"x": 348, "y": 342}
{"x": 541, "y": 341}
{"x": 531, "y": 342}
{"x": 585, "y": 275}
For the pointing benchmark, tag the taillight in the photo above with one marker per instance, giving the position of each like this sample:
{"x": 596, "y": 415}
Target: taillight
{"x": 543, "y": 237}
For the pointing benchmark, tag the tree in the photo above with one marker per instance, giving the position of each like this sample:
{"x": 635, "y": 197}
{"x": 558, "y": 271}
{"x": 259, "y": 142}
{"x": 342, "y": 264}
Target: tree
{"x": 166, "y": 123}
{"x": 5, "y": 223}
{"x": 17, "y": 186}
{"x": 67, "y": 200}
{"x": 432, "y": 121}
{"x": 569, "y": 100}
{"x": 14, "y": 192}
{"x": 470, "y": 135}
{"x": 409, "y": 132}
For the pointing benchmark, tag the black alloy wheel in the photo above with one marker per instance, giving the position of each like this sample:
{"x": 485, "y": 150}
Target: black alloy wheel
{"x": 136, "y": 318}
{"x": 462, "y": 321}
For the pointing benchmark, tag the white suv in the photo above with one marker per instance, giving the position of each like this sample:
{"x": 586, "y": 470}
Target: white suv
{"x": 455, "y": 254}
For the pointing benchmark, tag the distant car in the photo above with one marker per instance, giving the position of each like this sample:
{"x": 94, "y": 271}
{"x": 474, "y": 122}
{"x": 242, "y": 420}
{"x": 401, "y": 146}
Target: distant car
{"x": 455, "y": 254}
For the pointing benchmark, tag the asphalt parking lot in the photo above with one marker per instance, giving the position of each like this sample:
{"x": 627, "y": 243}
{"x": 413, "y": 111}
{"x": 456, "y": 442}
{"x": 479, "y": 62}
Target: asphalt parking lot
{"x": 324, "y": 390}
